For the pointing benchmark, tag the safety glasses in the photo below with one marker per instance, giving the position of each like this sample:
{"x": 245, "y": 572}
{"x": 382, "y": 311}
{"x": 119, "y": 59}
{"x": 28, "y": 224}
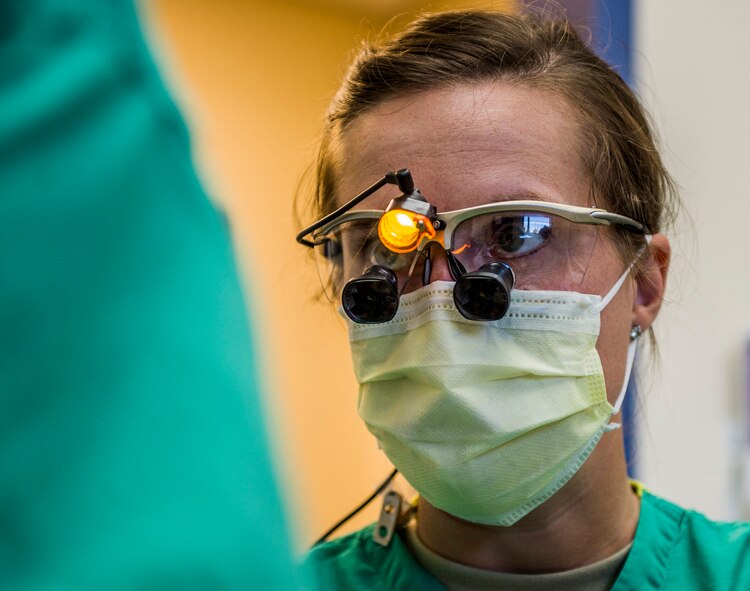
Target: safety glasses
{"x": 368, "y": 258}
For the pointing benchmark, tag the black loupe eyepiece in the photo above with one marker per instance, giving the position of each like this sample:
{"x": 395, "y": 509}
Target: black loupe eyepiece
{"x": 372, "y": 297}
{"x": 484, "y": 294}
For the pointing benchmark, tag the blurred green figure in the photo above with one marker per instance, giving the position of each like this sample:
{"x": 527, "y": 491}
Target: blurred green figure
{"x": 132, "y": 449}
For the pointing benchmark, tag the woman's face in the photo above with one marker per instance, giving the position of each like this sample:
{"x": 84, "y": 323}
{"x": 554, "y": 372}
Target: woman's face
{"x": 483, "y": 143}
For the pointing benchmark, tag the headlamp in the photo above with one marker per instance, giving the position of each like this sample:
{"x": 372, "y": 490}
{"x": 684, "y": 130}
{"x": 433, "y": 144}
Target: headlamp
{"x": 406, "y": 222}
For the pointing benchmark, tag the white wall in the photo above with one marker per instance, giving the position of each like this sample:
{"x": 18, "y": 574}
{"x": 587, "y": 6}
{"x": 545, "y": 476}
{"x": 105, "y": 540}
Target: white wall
{"x": 693, "y": 72}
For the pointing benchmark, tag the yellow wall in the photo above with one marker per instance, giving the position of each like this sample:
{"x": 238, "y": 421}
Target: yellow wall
{"x": 254, "y": 78}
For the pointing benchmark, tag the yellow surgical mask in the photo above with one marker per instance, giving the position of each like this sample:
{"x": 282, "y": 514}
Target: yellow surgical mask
{"x": 486, "y": 420}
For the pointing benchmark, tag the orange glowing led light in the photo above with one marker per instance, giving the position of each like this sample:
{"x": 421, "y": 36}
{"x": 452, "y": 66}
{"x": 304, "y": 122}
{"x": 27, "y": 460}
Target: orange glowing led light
{"x": 401, "y": 231}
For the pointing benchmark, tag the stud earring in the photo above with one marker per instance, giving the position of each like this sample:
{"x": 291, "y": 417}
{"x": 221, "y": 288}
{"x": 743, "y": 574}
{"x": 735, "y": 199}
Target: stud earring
{"x": 635, "y": 332}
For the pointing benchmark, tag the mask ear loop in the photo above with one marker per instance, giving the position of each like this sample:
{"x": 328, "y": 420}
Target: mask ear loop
{"x": 635, "y": 334}
{"x": 604, "y": 302}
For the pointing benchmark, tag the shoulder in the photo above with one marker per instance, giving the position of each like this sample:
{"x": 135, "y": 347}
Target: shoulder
{"x": 355, "y": 561}
{"x": 719, "y": 545}
{"x": 343, "y": 563}
{"x": 686, "y": 550}
{"x": 703, "y": 535}
{"x": 338, "y": 563}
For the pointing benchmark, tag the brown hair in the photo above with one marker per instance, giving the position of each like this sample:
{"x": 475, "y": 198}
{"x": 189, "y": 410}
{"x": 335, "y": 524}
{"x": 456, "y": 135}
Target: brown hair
{"x": 460, "y": 47}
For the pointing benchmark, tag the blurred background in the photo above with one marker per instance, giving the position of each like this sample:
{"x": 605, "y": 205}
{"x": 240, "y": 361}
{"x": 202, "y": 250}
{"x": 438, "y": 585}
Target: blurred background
{"x": 254, "y": 77}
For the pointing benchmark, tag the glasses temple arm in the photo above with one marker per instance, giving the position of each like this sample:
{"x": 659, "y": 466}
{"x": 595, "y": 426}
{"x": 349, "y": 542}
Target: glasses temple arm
{"x": 402, "y": 178}
{"x": 621, "y": 220}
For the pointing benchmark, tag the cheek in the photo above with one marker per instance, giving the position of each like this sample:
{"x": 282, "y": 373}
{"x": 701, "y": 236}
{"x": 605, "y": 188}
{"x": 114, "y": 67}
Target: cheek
{"x": 604, "y": 265}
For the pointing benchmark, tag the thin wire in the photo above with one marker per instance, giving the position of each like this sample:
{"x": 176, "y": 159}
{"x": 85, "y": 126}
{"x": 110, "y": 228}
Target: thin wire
{"x": 364, "y": 504}
{"x": 343, "y": 209}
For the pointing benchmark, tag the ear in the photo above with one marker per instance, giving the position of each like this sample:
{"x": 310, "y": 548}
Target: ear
{"x": 652, "y": 282}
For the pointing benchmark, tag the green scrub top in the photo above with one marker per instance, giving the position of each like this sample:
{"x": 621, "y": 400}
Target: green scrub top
{"x": 132, "y": 447}
{"x": 673, "y": 550}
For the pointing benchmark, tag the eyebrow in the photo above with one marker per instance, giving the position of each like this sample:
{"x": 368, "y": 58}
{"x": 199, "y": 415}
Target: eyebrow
{"x": 523, "y": 196}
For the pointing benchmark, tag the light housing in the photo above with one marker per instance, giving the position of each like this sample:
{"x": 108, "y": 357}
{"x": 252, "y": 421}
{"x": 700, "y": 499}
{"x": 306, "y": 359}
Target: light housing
{"x": 406, "y": 221}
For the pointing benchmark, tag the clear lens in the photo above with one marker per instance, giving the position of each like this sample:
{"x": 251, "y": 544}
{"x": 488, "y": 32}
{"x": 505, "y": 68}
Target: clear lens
{"x": 349, "y": 249}
{"x": 545, "y": 251}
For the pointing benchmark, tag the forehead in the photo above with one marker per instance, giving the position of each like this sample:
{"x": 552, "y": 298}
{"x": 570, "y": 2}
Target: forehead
{"x": 468, "y": 145}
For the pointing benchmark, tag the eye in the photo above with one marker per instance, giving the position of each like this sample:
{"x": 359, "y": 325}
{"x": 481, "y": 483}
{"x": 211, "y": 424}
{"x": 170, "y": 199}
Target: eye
{"x": 380, "y": 255}
{"x": 519, "y": 235}
{"x": 362, "y": 248}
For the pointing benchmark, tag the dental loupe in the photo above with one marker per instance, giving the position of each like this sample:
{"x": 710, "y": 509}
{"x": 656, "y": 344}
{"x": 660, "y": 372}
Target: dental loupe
{"x": 410, "y": 226}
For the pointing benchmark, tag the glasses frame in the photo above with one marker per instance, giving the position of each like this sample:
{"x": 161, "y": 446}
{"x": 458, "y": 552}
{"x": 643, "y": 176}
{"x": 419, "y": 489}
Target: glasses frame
{"x": 448, "y": 221}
